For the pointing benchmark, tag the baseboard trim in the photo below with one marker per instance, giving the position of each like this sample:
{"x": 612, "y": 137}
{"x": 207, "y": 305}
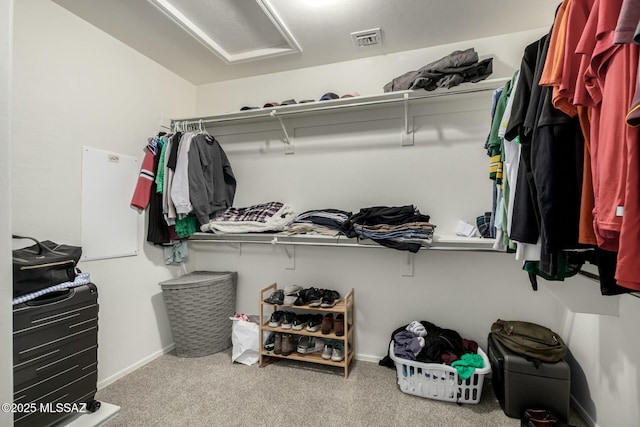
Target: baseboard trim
{"x": 113, "y": 378}
{"x": 367, "y": 358}
{"x": 583, "y": 413}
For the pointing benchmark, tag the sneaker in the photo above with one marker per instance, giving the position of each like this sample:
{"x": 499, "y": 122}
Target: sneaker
{"x": 276, "y": 318}
{"x": 338, "y": 325}
{"x": 270, "y": 344}
{"x": 287, "y": 320}
{"x": 289, "y": 299}
{"x": 305, "y": 343}
{"x": 299, "y": 301}
{"x": 277, "y": 348}
{"x": 291, "y": 293}
{"x": 275, "y": 298}
{"x": 315, "y": 298}
{"x": 329, "y": 299}
{"x": 292, "y": 289}
{"x": 314, "y": 322}
{"x": 327, "y": 323}
{"x": 304, "y": 296}
{"x": 308, "y": 344}
{"x": 326, "y": 353}
{"x": 288, "y": 344}
{"x": 300, "y": 322}
{"x": 336, "y": 354}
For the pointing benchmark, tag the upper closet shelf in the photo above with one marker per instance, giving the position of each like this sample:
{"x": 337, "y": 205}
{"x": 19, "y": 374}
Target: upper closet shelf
{"x": 454, "y": 243}
{"x": 355, "y": 103}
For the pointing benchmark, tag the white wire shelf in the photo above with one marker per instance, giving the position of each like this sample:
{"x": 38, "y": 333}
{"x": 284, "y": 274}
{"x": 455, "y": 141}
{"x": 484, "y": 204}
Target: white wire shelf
{"x": 405, "y": 98}
{"x": 451, "y": 243}
{"x": 356, "y": 102}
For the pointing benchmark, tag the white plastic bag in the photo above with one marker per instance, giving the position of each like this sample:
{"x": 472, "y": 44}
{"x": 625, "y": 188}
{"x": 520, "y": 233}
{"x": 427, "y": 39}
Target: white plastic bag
{"x": 245, "y": 340}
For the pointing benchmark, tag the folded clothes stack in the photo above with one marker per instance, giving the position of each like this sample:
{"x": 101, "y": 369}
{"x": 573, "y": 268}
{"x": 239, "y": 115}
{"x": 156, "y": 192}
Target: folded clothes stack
{"x": 397, "y": 227}
{"x": 273, "y": 216}
{"x": 327, "y": 222}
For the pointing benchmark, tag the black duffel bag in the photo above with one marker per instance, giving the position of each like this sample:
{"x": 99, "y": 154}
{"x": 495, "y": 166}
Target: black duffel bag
{"x": 42, "y": 265}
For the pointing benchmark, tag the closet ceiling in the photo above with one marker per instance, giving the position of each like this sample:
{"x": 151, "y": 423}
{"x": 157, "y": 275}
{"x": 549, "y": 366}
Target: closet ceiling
{"x": 246, "y": 31}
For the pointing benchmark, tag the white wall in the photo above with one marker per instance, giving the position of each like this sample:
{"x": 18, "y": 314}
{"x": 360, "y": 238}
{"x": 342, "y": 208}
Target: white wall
{"x": 606, "y": 369}
{"x": 73, "y": 85}
{"x": 6, "y": 290}
{"x": 349, "y": 166}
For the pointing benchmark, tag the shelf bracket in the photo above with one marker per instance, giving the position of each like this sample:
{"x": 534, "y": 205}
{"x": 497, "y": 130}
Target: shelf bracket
{"x": 406, "y": 264}
{"x": 237, "y": 247}
{"x": 289, "y": 251}
{"x": 407, "y": 132}
{"x": 289, "y": 147}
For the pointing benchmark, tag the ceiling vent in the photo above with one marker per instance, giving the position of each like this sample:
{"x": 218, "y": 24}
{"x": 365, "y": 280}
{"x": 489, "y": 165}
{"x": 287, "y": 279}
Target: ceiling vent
{"x": 367, "y": 38}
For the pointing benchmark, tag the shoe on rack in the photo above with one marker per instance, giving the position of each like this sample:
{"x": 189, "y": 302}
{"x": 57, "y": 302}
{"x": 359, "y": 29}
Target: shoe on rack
{"x": 270, "y": 343}
{"x": 276, "y": 318}
{"x": 315, "y": 298}
{"x": 329, "y": 298}
{"x": 287, "y": 320}
{"x": 307, "y": 344}
{"x": 327, "y": 323}
{"x": 292, "y": 289}
{"x": 326, "y": 352}
{"x": 291, "y": 293}
{"x": 314, "y": 322}
{"x": 289, "y": 299}
{"x": 305, "y": 296}
{"x": 300, "y": 322}
{"x": 276, "y": 298}
{"x": 338, "y": 325}
{"x": 304, "y": 343}
{"x": 300, "y": 301}
{"x": 288, "y": 344}
{"x": 277, "y": 348}
{"x": 336, "y": 354}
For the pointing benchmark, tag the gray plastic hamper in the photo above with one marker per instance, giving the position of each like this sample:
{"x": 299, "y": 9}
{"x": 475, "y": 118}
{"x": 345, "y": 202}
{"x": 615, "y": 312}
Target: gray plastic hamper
{"x": 199, "y": 305}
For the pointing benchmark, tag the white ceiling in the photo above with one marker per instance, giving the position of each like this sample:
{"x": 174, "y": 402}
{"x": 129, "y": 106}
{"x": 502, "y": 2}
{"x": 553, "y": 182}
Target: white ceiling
{"x": 322, "y": 28}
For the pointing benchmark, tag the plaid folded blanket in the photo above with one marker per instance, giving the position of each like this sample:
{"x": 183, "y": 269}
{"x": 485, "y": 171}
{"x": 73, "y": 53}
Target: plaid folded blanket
{"x": 273, "y": 216}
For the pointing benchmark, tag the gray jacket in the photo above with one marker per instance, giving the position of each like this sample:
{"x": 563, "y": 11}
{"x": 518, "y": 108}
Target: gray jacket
{"x": 212, "y": 184}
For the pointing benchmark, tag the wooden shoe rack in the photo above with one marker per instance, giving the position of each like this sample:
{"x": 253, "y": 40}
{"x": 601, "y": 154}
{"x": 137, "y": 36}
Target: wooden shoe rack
{"x": 344, "y": 306}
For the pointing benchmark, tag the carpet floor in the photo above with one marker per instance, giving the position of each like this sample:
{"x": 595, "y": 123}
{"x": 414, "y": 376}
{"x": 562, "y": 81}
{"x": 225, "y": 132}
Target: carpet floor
{"x": 212, "y": 391}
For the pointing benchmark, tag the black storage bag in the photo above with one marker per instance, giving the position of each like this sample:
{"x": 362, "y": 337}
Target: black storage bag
{"x": 42, "y": 265}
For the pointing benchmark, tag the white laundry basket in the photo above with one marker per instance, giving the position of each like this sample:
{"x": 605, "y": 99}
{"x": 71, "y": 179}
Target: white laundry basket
{"x": 439, "y": 381}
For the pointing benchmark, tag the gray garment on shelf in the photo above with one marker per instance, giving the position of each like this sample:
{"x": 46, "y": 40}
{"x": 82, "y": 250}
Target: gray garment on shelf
{"x": 457, "y": 67}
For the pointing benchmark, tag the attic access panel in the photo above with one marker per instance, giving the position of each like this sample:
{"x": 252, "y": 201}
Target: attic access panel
{"x": 235, "y": 30}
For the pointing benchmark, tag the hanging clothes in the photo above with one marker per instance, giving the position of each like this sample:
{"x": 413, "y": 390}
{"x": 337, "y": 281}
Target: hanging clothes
{"x": 142, "y": 192}
{"x": 525, "y": 228}
{"x": 212, "y": 185}
{"x": 579, "y": 161}
{"x": 157, "y": 228}
{"x": 180, "y": 184}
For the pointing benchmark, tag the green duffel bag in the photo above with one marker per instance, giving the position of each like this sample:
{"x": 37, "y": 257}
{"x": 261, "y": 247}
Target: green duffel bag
{"x": 529, "y": 339}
